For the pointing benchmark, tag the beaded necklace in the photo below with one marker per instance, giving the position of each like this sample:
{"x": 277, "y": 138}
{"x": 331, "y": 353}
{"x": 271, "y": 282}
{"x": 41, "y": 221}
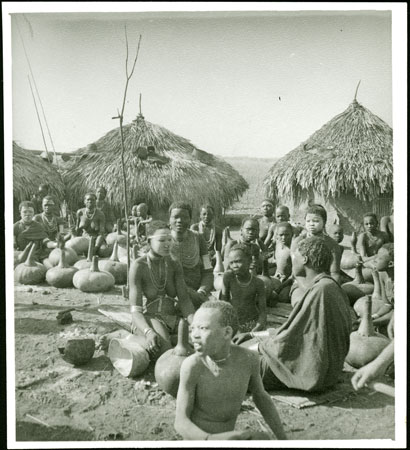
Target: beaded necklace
{"x": 161, "y": 281}
{"x": 187, "y": 250}
{"x": 244, "y": 284}
{"x": 87, "y": 214}
{"x": 50, "y": 225}
{"x": 210, "y": 242}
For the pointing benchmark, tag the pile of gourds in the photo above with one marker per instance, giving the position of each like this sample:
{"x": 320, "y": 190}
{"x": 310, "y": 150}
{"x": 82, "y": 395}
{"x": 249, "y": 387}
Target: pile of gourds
{"x": 63, "y": 268}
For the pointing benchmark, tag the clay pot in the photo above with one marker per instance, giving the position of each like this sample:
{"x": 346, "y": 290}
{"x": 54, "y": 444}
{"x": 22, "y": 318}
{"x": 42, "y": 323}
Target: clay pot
{"x": 169, "y": 364}
{"x": 378, "y": 297}
{"x": 358, "y": 287}
{"x": 128, "y": 355}
{"x": 116, "y": 268}
{"x": 30, "y": 272}
{"x": 62, "y": 275}
{"x": 78, "y": 351}
{"x": 350, "y": 257}
{"x": 92, "y": 279}
{"x": 365, "y": 343}
{"x": 86, "y": 263}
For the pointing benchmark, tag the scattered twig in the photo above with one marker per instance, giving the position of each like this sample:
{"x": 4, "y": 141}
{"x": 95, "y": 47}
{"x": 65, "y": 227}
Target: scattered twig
{"x": 38, "y": 420}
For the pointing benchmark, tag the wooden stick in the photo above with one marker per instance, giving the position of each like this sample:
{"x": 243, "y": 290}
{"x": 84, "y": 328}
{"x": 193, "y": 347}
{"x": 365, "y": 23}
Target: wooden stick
{"x": 382, "y": 388}
{"x": 38, "y": 420}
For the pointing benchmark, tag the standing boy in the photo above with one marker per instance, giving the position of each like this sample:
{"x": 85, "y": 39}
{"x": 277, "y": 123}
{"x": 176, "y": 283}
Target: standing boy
{"x": 215, "y": 379}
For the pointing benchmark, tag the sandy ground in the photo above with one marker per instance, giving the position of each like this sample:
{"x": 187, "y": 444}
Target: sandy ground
{"x": 58, "y": 402}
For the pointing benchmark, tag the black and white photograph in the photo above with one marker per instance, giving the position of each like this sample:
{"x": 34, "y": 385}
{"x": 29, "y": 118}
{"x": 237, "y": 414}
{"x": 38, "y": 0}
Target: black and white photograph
{"x": 202, "y": 200}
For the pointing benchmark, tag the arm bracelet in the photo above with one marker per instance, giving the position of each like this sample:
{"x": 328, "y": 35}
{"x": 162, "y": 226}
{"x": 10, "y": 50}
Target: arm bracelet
{"x": 136, "y": 308}
{"x": 147, "y": 330}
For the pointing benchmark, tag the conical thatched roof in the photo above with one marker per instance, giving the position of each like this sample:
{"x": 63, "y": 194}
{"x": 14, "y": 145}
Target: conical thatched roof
{"x": 29, "y": 171}
{"x": 351, "y": 154}
{"x": 175, "y": 170}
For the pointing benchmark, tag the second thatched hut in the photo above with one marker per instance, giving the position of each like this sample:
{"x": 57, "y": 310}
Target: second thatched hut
{"x": 347, "y": 165}
{"x": 160, "y": 166}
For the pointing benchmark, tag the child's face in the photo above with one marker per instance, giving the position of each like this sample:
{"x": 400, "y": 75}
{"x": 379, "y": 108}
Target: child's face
{"x": 250, "y": 230}
{"x": 267, "y": 209}
{"x": 298, "y": 264}
{"x": 207, "y": 334}
{"x": 314, "y": 223}
{"x": 370, "y": 224}
{"x": 336, "y": 233}
{"x": 101, "y": 194}
{"x": 179, "y": 220}
{"x": 283, "y": 235}
{"x": 161, "y": 241}
{"x": 141, "y": 211}
{"x": 26, "y": 214}
{"x": 206, "y": 215}
{"x": 48, "y": 206}
{"x": 89, "y": 201}
{"x": 282, "y": 215}
{"x": 383, "y": 260}
{"x": 238, "y": 262}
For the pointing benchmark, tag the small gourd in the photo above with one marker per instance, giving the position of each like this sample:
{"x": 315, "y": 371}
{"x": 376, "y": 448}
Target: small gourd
{"x": 117, "y": 236}
{"x": 79, "y": 244}
{"x": 62, "y": 275}
{"x": 30, "y": 272}
{"x": 378, "y": 297}
{"x": 358, "y": 287}
{"x": 78, "y": 351}
{"x": 168, "y": 365}
{"x": 365, "y": 343}
{"x": 226, "y": 238}
{"x": 92, "y": 279}
{"x": 21, "y": 256}
{"x": 218, "y": 271}
{"x": 70, "y": 255}
{"x": 350, "y": 257}
{"x": 86, "y": 263}
{"x": 116, "y": 268}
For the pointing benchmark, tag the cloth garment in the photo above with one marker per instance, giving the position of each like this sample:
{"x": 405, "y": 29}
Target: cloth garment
{"x": 307, "y": 352}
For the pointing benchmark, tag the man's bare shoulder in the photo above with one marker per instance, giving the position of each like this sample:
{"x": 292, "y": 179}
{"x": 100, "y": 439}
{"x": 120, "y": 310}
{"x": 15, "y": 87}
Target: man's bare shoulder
{"x": 246, "y": 356}
{"x": 192, "y": 366}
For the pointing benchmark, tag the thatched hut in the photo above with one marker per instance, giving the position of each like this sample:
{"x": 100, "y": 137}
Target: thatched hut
{"x": 347, "y": 165}
{"x": 160, "y": 167}
{"x": 29, "y": 171}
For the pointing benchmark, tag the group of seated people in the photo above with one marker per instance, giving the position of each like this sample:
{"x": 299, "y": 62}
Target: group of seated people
{"x": 174, "y": 278}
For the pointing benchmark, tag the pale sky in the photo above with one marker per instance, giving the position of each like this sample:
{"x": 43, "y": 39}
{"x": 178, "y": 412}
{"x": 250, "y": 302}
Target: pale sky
{"x": 213, "y": 78}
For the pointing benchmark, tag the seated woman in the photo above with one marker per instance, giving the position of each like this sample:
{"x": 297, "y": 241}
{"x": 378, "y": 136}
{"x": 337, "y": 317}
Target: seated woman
{"x": 369, "y": 242}
{"x": 190, "y": 250}
{"x": 267, "y": 220}
{"x": 106, "y": 208}
{"x": 26, "y": 230}
{"x": 91, "y": 221}
{"x": 307, "y": 352}
{"x": 209, "y": 230}
{"x": 52, "y": 224}
{"x": 155, "y": 281}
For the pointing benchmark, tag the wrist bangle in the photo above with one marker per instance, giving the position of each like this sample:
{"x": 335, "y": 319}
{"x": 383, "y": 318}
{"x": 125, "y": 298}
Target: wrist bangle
{"x": 147, "y": 330}
{"x": 136, "y": 308}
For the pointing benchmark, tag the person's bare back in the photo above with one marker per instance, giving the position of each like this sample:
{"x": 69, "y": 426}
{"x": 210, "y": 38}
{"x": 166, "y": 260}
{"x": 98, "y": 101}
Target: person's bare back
{"x": 218, "y": 398}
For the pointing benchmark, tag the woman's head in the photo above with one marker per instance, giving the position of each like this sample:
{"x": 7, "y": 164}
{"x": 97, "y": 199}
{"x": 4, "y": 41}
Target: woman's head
{"x": 48, "y": 204}
{"x": 207, "y": 213}
{"x": 159, "y": 237}
{"x": 267, "y": 207}
{"x": 26, "y": 210}
{"x": 315, "y": 219}
{"x": 90, "y": 200}
{"x": 180, "y": 214}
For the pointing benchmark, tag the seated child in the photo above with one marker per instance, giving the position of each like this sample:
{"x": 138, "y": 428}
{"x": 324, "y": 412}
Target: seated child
{"x": 282, "y": 215}
{"x": 267, "y": 219}
{"x": 249, "y": 238}
{"x": 138, "y": 220}
{"x": 384, "y": 264}
{"x": 215, "y": 379}
{"x": 307, "y": 352}
{"x": 336, "y": 233}
{"x": 244, "y": 291}
{"x": 369, "y": 242}
{"x": 211, "y": 232}
{"x": 282, "y": 256}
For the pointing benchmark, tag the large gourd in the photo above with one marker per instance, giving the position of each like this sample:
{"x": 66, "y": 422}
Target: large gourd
{"x": 70, "y": 255}
{"x": 116, "y": 268}
{"x": 168, "y": 365}
{"x": 350, "y": 257}
{"x": 365, "y": 343}
{"x": 358, "y": 287}
{"x": 30, "y": 272}
{"x": 218, "y": 271}
{"x": 92, "y": 279}
{"x": 86, "y": 263}
{"x": 117, "y": 236}
{"x": 62, "y": 275}
{"x": 21, "y": 256}
{"x": 378, "y": 297}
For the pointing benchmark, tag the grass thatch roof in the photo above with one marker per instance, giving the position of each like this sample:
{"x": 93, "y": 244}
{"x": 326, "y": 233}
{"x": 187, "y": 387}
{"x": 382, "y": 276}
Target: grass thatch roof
{"x": 352, "y": 153}
{"x": 177, "y": 170}
{"x": 29, "y": 171}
